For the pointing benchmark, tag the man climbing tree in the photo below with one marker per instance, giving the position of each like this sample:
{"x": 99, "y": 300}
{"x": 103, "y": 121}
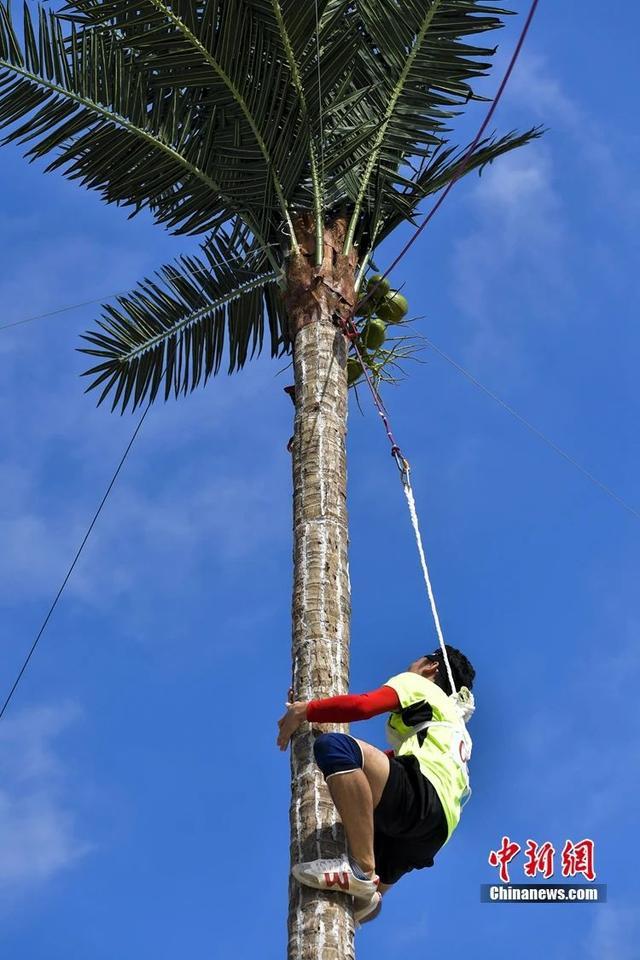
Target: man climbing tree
{"x": 400, "y": 806}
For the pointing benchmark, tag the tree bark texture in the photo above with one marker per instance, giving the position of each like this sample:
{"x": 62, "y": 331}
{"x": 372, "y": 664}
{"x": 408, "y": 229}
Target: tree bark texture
{"x": 320, "y": 925}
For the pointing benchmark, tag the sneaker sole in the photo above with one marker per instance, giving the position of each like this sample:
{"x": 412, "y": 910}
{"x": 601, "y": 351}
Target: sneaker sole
{"x": 361, "y": 915}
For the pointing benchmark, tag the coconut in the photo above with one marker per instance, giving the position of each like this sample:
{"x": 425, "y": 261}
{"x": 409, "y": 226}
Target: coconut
{"x": 354, "y": 370}
{"x": 379, "y": 285}
{"x": 394, "y": 308}
{"x": 374, "y": 333}
{"x": 385, "y": 312}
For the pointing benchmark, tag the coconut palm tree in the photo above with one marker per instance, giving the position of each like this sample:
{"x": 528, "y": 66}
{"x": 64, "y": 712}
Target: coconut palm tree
{"x": 293, "y": 138}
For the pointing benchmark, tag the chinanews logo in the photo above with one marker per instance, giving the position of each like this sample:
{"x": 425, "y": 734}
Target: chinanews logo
{"x": 575, "y": 860}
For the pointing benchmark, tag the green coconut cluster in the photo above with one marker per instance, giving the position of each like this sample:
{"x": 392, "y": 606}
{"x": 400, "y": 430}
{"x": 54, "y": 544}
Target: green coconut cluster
{"x": 381, "y": 306}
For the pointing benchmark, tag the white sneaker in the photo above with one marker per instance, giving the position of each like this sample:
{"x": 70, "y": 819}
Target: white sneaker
{"x": 361, "y": 914}
{"x": 335, "y": 875}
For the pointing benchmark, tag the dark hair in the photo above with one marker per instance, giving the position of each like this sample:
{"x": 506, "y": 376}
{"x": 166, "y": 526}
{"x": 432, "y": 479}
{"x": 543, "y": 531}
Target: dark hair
{"x": 463, "y": 672}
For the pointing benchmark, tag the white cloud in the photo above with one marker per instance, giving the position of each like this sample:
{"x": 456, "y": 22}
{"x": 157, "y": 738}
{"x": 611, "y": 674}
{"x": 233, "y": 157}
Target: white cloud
{"x": 518, "y": 187}
{"x": 187, "y": 521}
{"x": 38, "y": 830}
{"x": 191, "y": 521}
{"x": 520, "y": 247}
{"x": 515, "y": 247}
{"x": 535, "y": 88}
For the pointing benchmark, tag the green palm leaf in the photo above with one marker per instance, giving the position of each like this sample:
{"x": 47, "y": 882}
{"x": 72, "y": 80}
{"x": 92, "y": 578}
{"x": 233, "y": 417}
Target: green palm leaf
{"x": 294, "y": 27}
{"x": 173, "y": 330}
{"x": 420, "y": 68}
{"x": 219, "y": 51}
{"x": 446, "y": 164}
{"x": 81, "y": 99}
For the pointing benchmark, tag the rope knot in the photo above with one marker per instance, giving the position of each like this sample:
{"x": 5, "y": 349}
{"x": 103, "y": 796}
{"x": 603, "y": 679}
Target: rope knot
{"x": 347, "y": 327}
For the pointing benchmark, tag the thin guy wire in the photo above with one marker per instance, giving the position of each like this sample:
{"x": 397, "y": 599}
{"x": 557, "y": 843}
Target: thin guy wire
{"x": 533, "y": 429}
{"x": 74, "y": 562}
{"x": 124, "y": 293}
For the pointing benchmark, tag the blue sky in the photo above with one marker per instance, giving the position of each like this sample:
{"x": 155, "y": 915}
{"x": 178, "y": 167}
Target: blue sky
{"x": 143, "y": 802}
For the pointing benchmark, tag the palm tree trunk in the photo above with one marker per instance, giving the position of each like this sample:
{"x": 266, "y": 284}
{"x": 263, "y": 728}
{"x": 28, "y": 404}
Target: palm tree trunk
{"x": 320, "y": 925}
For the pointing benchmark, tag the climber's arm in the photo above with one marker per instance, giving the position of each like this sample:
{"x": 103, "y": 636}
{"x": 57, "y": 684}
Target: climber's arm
{"x": 341, "y": 709}
{"x": 353, "y": 706}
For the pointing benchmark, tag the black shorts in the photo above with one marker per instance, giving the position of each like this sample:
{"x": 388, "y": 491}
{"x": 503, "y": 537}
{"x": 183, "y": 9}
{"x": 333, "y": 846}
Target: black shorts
{"x": 409, "y": 822}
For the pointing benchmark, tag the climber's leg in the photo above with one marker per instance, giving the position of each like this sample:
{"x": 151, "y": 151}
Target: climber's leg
{"x": 356, "y": 773}
{"x": 355, "y": 793}
{"x": 376, "y": 769}
{"x": 351, "y": 794}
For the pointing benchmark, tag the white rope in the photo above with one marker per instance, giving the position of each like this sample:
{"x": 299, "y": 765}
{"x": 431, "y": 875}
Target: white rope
{"x": 408, "y": 492}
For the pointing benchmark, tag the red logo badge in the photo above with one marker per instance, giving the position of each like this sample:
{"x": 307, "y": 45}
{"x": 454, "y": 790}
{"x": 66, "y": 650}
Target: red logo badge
{"x": 337, "y": 879}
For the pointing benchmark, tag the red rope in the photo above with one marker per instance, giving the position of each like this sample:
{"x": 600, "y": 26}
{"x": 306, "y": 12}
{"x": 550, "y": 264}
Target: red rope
{"x": 350, "y": 331}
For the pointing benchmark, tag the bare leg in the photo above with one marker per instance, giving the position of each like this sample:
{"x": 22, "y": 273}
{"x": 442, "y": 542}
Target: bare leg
{"x": 355, "y": 795}
{"x": 351, "y": 794}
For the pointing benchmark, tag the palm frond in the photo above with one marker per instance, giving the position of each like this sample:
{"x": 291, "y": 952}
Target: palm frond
{"x": 417, "y": 69}
{"x": 294, "y": 26}
{"x": 173, "y": 329}
{"x": 446, "y": 164}
{"x": 79, "y": 97}
{"x": 220, "y": 51}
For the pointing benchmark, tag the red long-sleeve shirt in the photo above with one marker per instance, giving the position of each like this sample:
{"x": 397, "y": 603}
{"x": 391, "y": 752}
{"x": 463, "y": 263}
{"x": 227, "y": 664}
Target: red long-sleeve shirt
{"x": 353, "y": 706}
